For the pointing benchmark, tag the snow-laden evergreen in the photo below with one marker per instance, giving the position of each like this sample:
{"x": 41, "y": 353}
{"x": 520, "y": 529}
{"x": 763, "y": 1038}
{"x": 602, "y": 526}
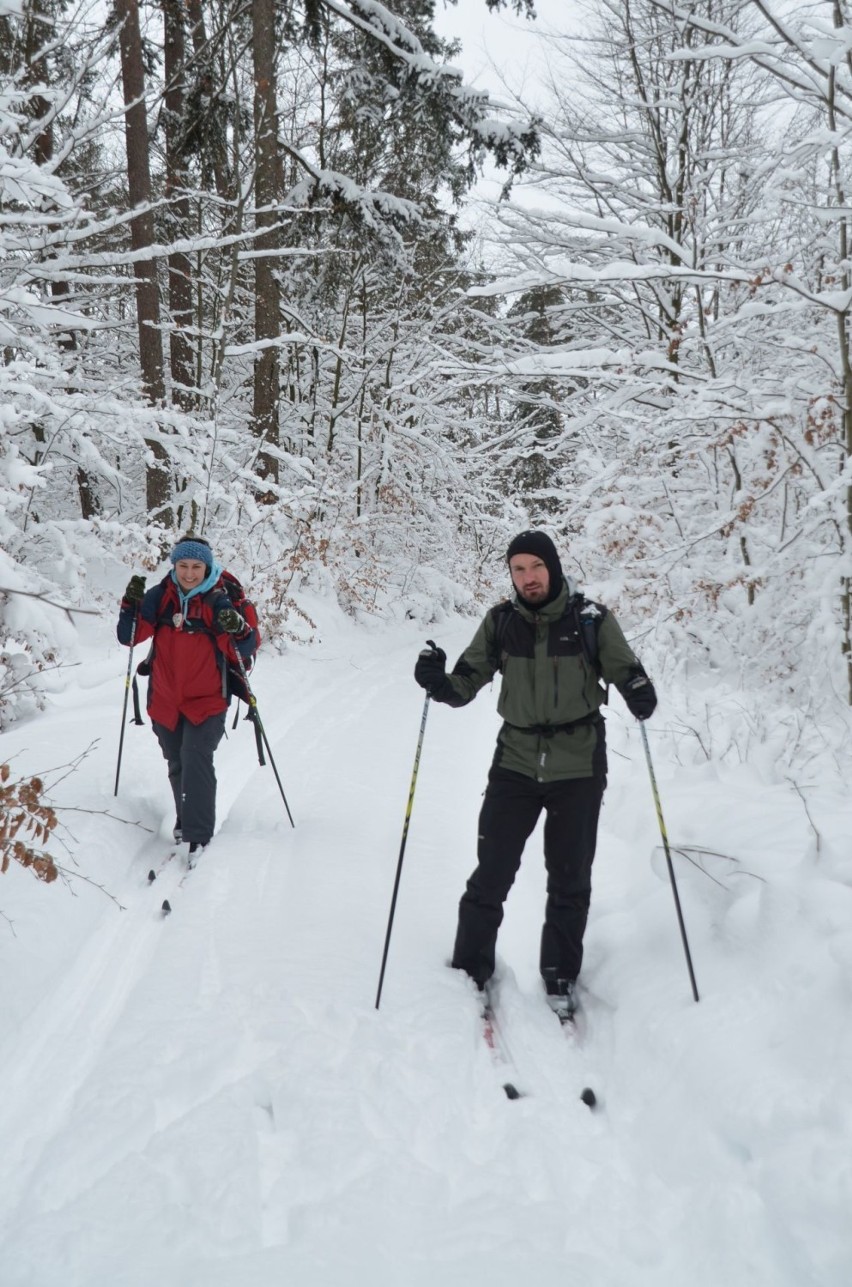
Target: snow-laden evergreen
{"x": 213, "y": 1098}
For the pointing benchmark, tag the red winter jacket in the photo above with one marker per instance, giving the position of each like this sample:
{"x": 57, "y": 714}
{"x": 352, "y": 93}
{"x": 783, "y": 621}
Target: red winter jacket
{"x": 188, "y": 656}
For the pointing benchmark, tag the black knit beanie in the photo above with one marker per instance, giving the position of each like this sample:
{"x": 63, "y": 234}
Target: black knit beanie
{"x": 540, "y": 545}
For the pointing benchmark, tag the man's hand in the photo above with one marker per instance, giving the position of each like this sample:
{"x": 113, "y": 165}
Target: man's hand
{"x": 640, "y": 696}
{"x": 431, "y": 668}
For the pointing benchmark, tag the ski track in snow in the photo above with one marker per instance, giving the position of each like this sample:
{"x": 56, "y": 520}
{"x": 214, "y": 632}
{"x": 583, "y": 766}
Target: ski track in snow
{"x": 212, "y": 1099}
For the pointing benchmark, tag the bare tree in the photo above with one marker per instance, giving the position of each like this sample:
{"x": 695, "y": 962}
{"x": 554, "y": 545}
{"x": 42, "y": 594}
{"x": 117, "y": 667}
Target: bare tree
{"x": 807, "y": 56}
{"x": 267, "y": 308}
{"x": 39, "y": 34}
{"x": 158, "y": 487}
{"x": 181, "y": 312}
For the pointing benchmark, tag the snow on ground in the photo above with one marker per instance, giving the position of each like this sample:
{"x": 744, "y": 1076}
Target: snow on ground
{"x": 212, "y": 1099}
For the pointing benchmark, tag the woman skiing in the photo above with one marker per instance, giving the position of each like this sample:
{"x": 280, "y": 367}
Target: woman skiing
{"x": 192, "y": 618}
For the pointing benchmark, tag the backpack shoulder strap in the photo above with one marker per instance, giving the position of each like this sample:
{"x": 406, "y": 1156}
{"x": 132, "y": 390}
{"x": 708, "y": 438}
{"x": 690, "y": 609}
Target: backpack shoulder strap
{"x": 588, "y": 617}
{"x": 231, "y": 588}
{"x": 222, "y": 587}
{"x": 231, "y": 585}
{"x": 501, "y": 615}
{"x": 162, "y": 614}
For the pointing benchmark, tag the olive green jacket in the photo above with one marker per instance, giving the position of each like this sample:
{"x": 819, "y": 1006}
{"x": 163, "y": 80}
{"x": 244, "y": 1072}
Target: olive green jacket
{"x": 551, "y": 692}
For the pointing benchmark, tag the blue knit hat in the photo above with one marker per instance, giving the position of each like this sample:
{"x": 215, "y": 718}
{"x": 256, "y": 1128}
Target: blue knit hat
{"x": 193, "y": 547}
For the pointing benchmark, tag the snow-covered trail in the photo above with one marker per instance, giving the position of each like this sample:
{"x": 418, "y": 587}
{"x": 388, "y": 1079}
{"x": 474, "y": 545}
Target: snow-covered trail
{"x": 213, "y": 1099}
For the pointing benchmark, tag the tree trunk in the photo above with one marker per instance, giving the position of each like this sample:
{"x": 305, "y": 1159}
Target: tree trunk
{"x": 843, "y": 339}
{"x": 267, "y": 314}
{"x": 181, "y": 363}
{"x": 846, "y": 581}
{"x": 204, "y": 61}
{"x": 158, "y": 487}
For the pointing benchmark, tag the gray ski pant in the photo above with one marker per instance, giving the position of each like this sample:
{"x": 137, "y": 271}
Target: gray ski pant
{"x": 188, "y": 750}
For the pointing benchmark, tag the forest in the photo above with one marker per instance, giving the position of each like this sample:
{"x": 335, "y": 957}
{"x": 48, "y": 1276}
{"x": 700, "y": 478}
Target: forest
{"x": 284, "y": 275}
{"x": 244, "y": 291}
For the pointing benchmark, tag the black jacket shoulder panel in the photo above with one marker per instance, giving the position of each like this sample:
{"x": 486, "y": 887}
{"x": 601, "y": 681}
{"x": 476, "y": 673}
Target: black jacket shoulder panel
{"x": 513, "y": 635}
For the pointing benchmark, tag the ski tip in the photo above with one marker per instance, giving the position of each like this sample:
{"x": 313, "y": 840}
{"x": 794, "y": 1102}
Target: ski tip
{"x": 512, "y": 1092}
{"x": 589, "y": 1097}
{"x": 152, "y": 876}
{"x": 167, "y": 907}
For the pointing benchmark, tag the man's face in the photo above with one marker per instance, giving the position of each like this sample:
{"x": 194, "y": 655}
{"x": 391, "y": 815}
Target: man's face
{"x": 190, "y": 573}
{"x": 530, "y": 577}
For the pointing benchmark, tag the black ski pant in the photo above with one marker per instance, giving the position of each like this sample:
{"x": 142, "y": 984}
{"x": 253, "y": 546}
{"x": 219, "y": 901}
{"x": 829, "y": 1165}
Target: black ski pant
{"x": 188, "y": 750}
{"x": 510, "y": 810}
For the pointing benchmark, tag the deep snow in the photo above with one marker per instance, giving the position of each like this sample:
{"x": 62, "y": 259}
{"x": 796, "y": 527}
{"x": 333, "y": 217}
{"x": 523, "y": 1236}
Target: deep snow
{"x": 213, "y": 1100}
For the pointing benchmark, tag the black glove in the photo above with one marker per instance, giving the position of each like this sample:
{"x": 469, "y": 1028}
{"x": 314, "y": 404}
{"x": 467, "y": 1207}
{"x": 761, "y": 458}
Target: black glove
{"x": 230, "y": 621}
{"x": 639, "y": 695}
{"x": 431, "y": 669}
{"x": 135, "y": 589}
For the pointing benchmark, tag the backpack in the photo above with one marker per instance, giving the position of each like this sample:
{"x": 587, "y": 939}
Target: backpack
{"x": 233, "y": 680}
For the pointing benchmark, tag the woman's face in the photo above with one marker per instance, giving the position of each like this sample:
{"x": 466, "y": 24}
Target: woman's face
{"x": 190, "y": 573}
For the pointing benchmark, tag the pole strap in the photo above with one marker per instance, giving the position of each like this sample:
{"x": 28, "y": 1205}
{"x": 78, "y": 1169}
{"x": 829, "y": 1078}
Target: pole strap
{"x": 258, "y": 732}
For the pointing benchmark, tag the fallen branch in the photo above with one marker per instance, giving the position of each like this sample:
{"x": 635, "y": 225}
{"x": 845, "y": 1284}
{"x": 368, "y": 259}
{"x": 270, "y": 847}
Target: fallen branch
{"x": 63, "y": 607}
{"x": 67, "y": 876}
{"x": 105, "y": 813}
{"x": 694, "y": 853}
{"x": 813, "y": 825}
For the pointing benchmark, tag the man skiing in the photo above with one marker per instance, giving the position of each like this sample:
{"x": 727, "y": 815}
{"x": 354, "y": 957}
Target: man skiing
{"x": 553, "y": 646}
{"x": 196, "y": 631}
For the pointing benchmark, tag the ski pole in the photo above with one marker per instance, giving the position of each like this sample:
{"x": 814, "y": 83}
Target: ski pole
{"x": 254, "y": 716}
{"x": 402, "y": 845}
{"x": 659, "y": 809}
{"x": 126, "y": 696}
